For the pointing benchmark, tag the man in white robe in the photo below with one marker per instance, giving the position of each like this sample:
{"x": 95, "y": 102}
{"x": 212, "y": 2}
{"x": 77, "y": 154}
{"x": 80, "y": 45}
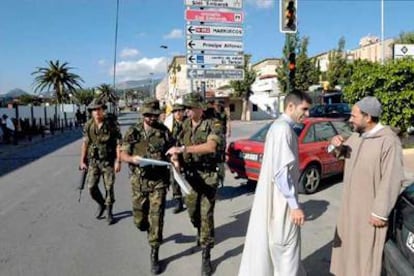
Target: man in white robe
{"x": 272, "y": 246}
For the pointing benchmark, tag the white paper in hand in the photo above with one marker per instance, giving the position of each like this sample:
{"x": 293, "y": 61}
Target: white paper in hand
{"x": 152, "y": 162}
{"x": 184, "y": 185}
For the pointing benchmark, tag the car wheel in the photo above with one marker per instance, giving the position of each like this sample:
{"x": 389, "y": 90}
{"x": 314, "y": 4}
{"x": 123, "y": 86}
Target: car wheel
{"x": 310, "y": 179}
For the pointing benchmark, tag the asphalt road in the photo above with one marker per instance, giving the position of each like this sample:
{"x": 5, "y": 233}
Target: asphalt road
{"x": 44, "y": 230}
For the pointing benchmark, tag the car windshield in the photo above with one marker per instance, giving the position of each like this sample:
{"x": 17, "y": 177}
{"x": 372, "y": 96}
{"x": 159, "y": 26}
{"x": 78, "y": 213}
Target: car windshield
{"x": 260, "y": 136}
{"x": 343, "y": 128}
{"x": 340, "y": 108}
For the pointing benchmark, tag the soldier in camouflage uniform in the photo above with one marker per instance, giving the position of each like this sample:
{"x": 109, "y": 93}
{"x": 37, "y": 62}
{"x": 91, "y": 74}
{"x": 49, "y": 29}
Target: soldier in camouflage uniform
{"x": 216, "y": 111}
{"x": 149, "y": 138}
{"x": 177, "y": 126}
{"x": 100, "y": 155}
{"x": 226, "y": 131}
{"x": 201, "y": 137}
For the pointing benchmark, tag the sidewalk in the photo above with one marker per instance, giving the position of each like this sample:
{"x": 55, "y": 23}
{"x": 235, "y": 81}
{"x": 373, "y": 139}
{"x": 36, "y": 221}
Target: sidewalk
{"x": 8, "y": 149}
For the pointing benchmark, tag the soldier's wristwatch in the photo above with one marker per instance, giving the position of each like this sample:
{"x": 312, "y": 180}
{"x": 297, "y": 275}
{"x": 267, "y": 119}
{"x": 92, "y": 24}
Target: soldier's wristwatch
{"x": 182, "y": 149}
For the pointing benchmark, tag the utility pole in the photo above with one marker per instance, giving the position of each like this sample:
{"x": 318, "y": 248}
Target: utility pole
{"x": 115, "y": 46}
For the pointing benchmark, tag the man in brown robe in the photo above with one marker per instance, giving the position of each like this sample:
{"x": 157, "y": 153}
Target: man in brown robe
{"x": 372, "y": 181}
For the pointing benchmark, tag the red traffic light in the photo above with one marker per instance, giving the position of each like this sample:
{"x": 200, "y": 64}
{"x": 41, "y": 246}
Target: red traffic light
{"x": 292, "y": 61}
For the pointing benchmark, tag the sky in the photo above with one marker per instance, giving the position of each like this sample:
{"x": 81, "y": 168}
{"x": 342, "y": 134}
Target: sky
{"x": 82, "y": 33}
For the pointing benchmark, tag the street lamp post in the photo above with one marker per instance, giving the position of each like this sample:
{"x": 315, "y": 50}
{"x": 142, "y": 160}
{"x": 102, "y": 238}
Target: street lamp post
{"x": 382, "y": 32}
{"x": 116, "y": 42}
{"x": 152, "y": 91}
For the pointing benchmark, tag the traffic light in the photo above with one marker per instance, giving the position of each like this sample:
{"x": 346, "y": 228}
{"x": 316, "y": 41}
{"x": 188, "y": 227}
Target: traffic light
{"x": 292, "y": 65}
{"x": 288, "y": 16}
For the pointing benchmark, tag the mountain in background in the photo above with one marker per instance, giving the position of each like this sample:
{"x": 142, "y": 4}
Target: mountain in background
{"x": 141, "y": 84}
{"x": 14, "y": 93}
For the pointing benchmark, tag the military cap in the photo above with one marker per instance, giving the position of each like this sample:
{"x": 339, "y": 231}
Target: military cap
{"x": 95, "y": 104}
{"x": 194, "y": 100}
{"x": 177, "y": 107}
{"x": 151, "y": 106}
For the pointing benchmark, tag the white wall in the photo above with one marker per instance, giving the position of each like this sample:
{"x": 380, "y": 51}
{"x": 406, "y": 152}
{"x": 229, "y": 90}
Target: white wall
{"x": 39, "y": 112}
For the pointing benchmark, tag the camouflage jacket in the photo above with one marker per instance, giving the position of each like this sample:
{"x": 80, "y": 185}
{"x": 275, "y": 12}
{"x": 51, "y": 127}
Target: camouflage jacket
{"x": 102, "y": 142}
{"x": 207, "y": 129}
{"x": 177, "y": 128}
{"x": 153, "y": 144}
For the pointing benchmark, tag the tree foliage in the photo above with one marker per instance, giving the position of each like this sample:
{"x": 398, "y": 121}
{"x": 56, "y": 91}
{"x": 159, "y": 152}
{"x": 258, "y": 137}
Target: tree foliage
{"x": 84, "y": 96}
{"x": 392, "y": 84}
{"x": 338, "y": 69}
{"x": 291, "y": 44}
{"x": 27, "y": 99}
{"x": 58, "y": 77}
{"x": 242, "y": 87}
{"x": 107, "y": 93}
{"x": 307, "y": 71}
{"x": 405, "y": 38}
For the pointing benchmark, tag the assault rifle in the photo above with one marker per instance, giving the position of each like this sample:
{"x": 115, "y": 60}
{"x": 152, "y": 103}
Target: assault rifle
{"x": 82, "y": 182}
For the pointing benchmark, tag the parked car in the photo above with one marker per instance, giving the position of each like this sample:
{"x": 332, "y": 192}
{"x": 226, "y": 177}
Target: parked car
{"x": 398, "y": 256}
{"x": 244, "y": 156}
{"x": 336, "y": 110}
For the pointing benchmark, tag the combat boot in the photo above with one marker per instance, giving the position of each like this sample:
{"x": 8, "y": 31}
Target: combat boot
{"x": 109, "y": 217}
{"x": 155, "y": 263}
{"x": 97, "y": 196}
{"x": 206, "y": 269}
{"x": 179, "y": 207}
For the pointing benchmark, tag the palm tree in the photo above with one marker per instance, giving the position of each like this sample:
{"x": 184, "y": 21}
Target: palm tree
{"x": 84, "y": 96}
{"x": 107, "y": 93}
{"x": 59, "y": 77}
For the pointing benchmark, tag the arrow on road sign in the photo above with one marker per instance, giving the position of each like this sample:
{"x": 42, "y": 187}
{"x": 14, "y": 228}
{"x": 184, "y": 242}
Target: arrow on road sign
{"x": 215, "y": 45}
{"x": 206, "y": 30}
{"x": 233, "y": 74}
{"x": 197, "y": 59}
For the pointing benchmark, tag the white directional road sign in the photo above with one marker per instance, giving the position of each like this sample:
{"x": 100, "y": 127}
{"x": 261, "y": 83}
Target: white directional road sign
{"x": 233, "y": 4}
{"x": 215, "y": 45}
{"x": 214, "y": 30}
{"x": 214, "y": 16}
{"x": 232, "y": 74}
{"x": 403, "y": 50}
{"x": 215, "y": 59}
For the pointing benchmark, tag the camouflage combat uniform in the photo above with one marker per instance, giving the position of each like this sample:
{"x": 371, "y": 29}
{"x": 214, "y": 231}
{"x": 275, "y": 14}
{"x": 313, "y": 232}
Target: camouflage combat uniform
{"x": 177, "y": 128}
{"x": 149, "y": 183}
{"x": 201, "y": 173}
{"x": 101, "y": 154}
{"x": 221, "y": 152}
{"x": 212, "y": 113}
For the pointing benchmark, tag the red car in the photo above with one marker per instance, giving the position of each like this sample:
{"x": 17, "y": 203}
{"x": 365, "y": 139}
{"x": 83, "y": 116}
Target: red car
{"x": 244, "y": 156}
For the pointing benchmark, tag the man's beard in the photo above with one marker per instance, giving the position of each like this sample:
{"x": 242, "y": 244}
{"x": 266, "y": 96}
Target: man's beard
{"x": 359, "y": 129}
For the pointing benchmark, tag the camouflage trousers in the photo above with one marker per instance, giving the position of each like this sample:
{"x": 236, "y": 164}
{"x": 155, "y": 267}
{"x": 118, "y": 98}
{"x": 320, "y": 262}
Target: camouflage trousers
{"x": 148, "y": 209}
{"x": 95, "y": 171}
{"x": 200, "y": 204}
